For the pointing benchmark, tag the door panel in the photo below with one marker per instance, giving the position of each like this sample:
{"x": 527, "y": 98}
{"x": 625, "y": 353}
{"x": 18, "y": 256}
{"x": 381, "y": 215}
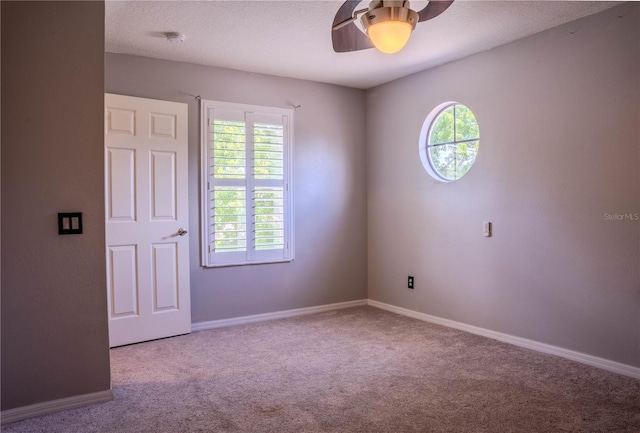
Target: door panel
{"x": 163, "y": 186}
{"x": 123, "y": 292}
{"x": 146, "y": 205}
{"x": 121, "y": 189}
{"x": 165, "y": 272}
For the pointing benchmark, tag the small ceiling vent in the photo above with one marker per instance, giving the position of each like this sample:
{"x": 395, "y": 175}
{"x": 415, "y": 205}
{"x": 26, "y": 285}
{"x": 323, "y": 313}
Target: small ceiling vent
{"x": 175, "y": 37}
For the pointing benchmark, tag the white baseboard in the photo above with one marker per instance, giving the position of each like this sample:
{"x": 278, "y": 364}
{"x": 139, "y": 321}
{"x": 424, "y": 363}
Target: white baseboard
{"x": 47, "y": 407}
{"x": 200, "y": 326}
{"x": 594, "y": 361}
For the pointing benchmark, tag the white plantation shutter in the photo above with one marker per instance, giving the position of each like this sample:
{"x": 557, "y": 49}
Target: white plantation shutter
{"x": 246, "y": 154}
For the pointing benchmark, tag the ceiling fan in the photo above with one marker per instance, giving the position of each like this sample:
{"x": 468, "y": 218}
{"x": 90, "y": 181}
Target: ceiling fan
{"x": 387, "y": 24}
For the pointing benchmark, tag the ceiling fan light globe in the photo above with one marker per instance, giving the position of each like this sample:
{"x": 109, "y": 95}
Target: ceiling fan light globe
{"x": 390, "y": 36}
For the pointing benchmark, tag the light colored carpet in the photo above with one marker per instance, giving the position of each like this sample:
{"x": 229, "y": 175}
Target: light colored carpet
{"x": 354, "y": 370}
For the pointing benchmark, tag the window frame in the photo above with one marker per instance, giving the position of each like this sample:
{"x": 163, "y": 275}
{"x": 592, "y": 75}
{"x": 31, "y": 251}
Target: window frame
{"x": 425, "y": 135}
{"x": 251, "y": 255}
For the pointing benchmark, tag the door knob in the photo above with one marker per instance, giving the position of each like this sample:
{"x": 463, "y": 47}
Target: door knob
{"x": 182, "y": 232}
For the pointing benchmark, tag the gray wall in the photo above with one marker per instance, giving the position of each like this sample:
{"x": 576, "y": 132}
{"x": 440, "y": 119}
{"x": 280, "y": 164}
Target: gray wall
{"x": 54, "y": 315}
{"x": 329, "y": 179}
{"x": 559, "y": 117}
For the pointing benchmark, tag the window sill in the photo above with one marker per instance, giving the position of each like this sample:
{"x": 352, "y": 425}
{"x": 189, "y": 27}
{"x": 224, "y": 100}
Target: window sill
{"x": 265, "y": 262}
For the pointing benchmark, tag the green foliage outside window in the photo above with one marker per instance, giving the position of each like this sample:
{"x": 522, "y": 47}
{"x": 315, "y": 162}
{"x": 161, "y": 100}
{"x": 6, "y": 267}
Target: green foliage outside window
{"x": 230, "y": 203}
{"x": 453, "y": 142}
{"x": 228, "y": 149}
{"x": 268, "y": 151}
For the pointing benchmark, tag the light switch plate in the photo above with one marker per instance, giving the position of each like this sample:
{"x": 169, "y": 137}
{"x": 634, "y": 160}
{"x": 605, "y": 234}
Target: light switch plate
{"x": 70, "y": 223}
{"x": 487, "y": 228}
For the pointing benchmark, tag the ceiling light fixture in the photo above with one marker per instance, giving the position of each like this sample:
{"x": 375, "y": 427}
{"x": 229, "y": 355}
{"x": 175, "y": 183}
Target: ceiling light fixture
{"x": 389, "y": 28}
{"x": 175, "y": 37}
{"x": 385, "y": 24}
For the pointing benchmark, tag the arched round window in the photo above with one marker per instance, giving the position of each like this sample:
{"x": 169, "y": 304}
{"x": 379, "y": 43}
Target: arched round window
{"x": 449, "y": 141}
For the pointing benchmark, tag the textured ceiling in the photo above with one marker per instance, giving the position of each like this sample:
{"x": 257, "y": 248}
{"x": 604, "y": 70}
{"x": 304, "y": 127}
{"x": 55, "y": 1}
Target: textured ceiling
{"x": 293, "y": 39}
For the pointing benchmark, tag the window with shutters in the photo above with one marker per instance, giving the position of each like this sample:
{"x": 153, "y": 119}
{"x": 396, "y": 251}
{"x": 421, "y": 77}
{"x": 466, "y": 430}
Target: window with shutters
{"x": 246, "y": 186}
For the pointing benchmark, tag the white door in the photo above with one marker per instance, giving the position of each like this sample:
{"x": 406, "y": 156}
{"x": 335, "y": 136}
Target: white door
{"x": 146, "y": 219}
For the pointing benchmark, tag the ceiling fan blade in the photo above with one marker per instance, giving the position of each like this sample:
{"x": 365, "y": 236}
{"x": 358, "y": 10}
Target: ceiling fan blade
{"x": 349, "y": 37}
{"x": 433, "y": 9}
{"x": 346, "y": 11}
